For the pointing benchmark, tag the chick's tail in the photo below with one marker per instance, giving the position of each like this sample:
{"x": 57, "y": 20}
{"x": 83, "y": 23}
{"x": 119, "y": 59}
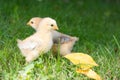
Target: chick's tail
{"x": 75, "y": 38}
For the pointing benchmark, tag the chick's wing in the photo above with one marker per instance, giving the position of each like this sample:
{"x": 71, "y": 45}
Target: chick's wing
{"x": 29, "y": 44}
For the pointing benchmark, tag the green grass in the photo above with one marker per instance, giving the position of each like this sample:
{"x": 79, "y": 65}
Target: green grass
{"x": 95, "y": 22}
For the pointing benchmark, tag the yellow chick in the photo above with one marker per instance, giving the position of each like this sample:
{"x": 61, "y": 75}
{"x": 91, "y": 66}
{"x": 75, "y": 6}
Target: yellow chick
{"x": 40, "y": 42}
{"x": 66, "y": 42}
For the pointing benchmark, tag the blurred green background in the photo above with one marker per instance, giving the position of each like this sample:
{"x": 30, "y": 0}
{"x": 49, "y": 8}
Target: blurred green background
{"x": 95, "y": 20}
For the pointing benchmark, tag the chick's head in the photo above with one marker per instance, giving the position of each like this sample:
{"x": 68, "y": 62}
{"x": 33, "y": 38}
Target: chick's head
{"x": 48, "y": 23}
{"x": 34, "y": 22}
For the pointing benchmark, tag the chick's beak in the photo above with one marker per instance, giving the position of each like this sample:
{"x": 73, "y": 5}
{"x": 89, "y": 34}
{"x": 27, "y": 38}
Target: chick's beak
{"x": 55, "y": 28}
{"x": 28, "y": 23}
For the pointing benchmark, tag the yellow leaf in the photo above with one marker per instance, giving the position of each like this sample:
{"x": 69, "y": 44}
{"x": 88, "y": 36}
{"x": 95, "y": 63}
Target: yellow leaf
{"x": 83, "y": 60}
{"x": 89, "y": 73}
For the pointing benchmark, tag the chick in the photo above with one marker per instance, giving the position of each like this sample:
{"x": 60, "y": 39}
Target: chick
{"x": 65, "y": 47}
{"x": 40, "y": 42}
{"x": 66, "y": 42}
{"x": 34, "y": 22}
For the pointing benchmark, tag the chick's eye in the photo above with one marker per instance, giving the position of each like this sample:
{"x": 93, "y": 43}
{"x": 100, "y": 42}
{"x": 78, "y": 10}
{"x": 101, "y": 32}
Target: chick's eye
{"x": 52, "y": 25}
{"x": 31, "y": 22}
